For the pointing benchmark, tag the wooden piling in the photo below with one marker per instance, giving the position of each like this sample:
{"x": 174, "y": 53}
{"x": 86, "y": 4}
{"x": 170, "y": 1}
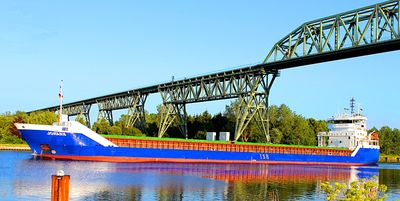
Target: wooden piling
{"x": 59, "y": 187}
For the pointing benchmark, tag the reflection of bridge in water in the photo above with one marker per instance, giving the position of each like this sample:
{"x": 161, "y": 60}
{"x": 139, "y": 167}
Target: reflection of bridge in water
{"x": 369, "y": 30}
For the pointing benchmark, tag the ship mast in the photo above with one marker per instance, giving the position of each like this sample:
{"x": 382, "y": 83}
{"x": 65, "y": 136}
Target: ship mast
{"x": 60, "y": 97}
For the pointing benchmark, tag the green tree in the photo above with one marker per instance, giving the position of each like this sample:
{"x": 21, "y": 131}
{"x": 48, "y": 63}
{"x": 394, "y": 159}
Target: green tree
{"x": 122, "y": 122}
{"x": 81, "y": 119}
{"x": 200, "y": 135}
{"x": 318, "y": 125}
{"x": 276, "y": 136}
{"x": 200, "y": 124}
{"x": 285, "y": 123}
{"x": 8, "y": 132}
{"x": 132, "y": 131}
{"x": 116, "y": 130}
{"x": 152, "y": 124}
{"x": 303, "y": 131}
{"x": 101, "y": 126}
{"x": 387, "y": 140}
{"x": 42, "y": 117}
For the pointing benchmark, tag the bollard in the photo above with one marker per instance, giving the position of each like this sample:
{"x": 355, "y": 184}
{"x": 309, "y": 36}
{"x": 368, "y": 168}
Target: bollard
{"x": 59, "y": 186}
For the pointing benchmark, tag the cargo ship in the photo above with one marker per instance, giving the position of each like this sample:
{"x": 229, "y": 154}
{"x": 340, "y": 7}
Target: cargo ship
{"x": 347, "y": 143}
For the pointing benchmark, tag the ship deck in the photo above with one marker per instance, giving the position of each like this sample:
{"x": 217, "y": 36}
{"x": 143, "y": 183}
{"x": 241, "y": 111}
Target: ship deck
{"x": 181, "y": 144}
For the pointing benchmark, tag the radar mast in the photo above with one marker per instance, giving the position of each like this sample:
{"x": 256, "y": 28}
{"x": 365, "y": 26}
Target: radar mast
{"x": 352, "y": 101}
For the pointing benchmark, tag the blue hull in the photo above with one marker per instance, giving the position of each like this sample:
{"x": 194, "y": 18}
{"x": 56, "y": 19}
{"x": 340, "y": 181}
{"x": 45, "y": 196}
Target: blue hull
{"x": 77, "y": 146}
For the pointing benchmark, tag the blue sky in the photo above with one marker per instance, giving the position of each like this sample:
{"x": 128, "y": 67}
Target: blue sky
{"x": 102, "y": 47}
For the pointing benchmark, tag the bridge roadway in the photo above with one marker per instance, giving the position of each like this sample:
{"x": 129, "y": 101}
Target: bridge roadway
{"x": 369, "y": 30}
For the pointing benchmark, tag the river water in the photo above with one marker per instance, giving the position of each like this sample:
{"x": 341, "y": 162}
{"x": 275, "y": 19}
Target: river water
{"x": 25, "y": 178}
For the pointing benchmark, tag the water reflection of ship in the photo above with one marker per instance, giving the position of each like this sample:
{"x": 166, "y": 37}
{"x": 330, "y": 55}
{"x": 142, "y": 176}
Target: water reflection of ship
{"x": 244, "y": 172}
{"x": 256, "y": 182}
{"x": 172, "y": 181}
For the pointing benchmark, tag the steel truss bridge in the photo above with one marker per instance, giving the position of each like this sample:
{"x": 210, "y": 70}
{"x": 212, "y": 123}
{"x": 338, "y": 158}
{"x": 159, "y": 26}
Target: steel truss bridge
{"x": 369, "y": 30}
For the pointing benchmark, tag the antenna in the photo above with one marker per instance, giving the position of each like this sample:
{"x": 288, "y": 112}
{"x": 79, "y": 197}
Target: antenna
{"x": 345, "y": 111}
{"x": 352, "y": 106}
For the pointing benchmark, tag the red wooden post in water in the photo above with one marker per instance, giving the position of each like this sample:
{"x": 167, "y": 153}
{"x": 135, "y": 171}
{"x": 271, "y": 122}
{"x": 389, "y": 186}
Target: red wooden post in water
{"x": 59, "y": 186}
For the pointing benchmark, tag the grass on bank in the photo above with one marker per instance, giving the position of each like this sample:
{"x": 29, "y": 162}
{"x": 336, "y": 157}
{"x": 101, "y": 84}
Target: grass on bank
{"x": 384, "y": 158}
{"x": 14, "y": 145}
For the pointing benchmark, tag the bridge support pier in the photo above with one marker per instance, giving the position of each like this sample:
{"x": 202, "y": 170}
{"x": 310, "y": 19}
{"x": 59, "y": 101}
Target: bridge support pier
{"x": 263, "y": 115}
{"x": 168, "y": 116}
{"x": 107, "y": 115}
{"x": 171, "y": 112}
{"x": 86, "y": 115}
{"x": 180, "y": 111}
{"x": 136, "y": 112}
{"x": 173, "y": 108}
{"x": 254, "y": 104}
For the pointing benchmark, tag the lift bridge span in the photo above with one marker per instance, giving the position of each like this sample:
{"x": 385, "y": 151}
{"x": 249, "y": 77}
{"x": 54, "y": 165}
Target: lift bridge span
{"x": 369, "y": 30}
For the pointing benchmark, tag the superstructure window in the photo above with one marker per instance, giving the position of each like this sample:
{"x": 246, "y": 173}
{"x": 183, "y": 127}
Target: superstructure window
{"x": 344, "y": 121}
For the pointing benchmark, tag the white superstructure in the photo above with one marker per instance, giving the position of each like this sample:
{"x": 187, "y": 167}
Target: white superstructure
{"x": 349, "y": 131}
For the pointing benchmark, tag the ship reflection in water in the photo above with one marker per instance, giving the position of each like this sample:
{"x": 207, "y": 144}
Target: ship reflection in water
{"x": 174, "y": 181}
{"x": 256, "y": 172}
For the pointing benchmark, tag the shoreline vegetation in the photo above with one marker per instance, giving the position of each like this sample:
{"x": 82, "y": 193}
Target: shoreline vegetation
{"x": 286, "y": 128}
{"x": 383, "y": 158}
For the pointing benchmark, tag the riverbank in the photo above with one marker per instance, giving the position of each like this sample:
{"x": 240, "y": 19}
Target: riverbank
{"x": 15, "y": 147}
{"x": 389, "y": 158}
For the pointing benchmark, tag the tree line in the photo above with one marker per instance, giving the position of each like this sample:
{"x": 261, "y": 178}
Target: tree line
{"x": 285, "y": 127}
{"x": 389, "y": 140}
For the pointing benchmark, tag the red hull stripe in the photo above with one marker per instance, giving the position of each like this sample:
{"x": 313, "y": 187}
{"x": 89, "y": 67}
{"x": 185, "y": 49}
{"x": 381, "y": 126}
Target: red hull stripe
{"x": 180, "y": 160}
